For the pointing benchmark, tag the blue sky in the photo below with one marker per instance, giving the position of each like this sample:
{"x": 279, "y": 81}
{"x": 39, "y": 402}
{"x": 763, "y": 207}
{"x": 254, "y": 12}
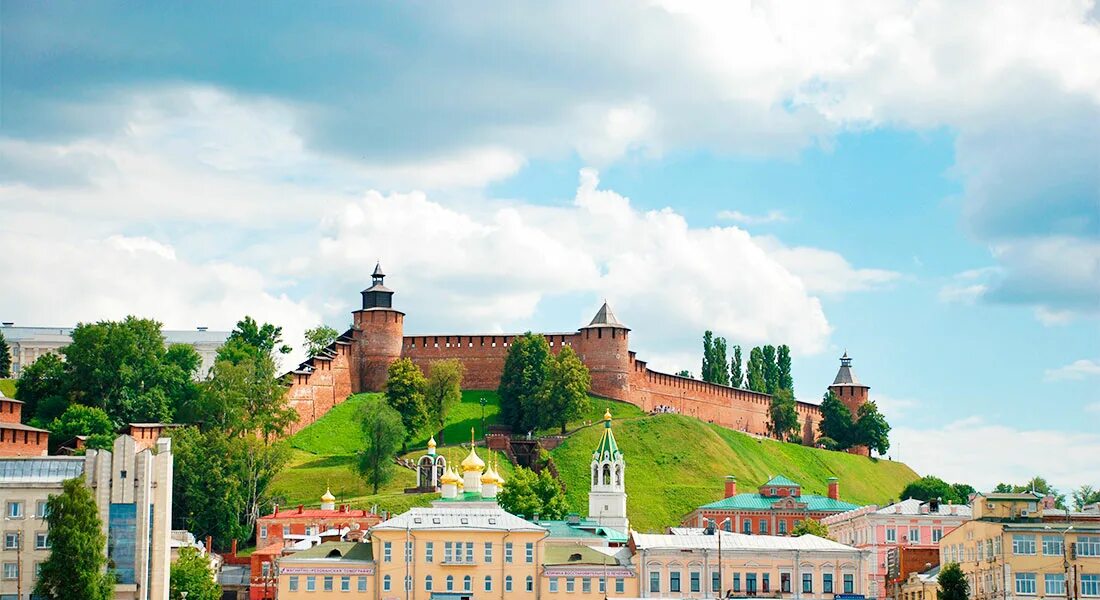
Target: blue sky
{"x": 916, "y": 184}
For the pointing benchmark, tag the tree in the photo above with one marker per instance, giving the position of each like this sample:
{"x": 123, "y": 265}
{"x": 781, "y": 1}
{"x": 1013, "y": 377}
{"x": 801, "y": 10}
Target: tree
{"x": 784, "y": 416}
{"x": 207, "y": 495}
{"x": 871, "y": 429}
{"x": 319, "y": 338}
{"x": 5, "y": 357}
{"x": 931, "y": 487}
{"x": 684, "y": 373}
{"x": 243, "y": 397}
{"x": 953, "y": 584}
{"x": 810, "y": 527}
{"x": 771, "y": 369}
{"x": 962, "y": 492}
{"x": 783, "y": 362}
{"x": 191, "y": 574}
{"x": 75, "y": 567}
{"x": 83, "y": 420}
{"x": 565, "y": 392}
{"x": 836, "y": 421}
{"x": 530, "y": 494}
{"x": 405, "y": 387}
{"x": 383, "y": 435}
{"x": 1035, "y": 484}
{"x": 250, "y": 339}
{"x": 41, "y": 388}
{"x": 737, "y": 378}
{"x": 720, "y": 367}
{"x": 521, "y": 383}
{"x": 755, "y": 372}
{"x": 706, "y": 370}
{"x": 442, "y": 391}
{"x": 1085, "y": 495}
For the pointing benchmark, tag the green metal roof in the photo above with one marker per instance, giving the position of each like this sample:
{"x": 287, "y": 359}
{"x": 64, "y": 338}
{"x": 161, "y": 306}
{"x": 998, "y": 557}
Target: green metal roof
{"x": 780, "y": 480}
{"x": 607, "y": 449}
{"x": 466, "y": 497}
{"x": 757, "y": 502}
{"x": 586, "y": 528}
{"x": 337, "y": 551}
{"x": 575, "y": 555}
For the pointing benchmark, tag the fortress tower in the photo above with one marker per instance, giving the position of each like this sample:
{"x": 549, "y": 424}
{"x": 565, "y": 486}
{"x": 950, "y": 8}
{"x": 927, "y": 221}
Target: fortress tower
{"x": 607, "y": 495}
{"x": 604, "y": 349}
{"x": 851, "y": 392}
{"x": 376, "y": 333}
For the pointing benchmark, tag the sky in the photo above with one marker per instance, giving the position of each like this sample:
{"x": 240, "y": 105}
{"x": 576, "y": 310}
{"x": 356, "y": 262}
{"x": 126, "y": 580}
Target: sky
{"x": 914, "y": 182}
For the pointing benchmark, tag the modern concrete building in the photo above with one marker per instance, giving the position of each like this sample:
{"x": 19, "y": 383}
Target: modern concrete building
{"x": 133, "y": 492}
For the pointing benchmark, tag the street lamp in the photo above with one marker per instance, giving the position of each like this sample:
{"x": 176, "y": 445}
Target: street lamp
{"x": 718, "y": 532}
{"x": 482, "y": 402}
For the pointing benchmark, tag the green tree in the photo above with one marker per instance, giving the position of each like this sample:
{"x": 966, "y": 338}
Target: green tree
{"x": 755, "y": 371}
{"x": 565, "y": 392}
{"x": 962, "y": 492}
{"x": 783, "y": 363}
{"x": 250, "y": 339}
{"x": 836, "y": 421}
{"x": 720, "y": 367}
{"x": 810, "y": 527}
{"x": 405, "y": 386}
{"x": 783, "y": 414}
{"x": 931, "y": 487}
{"x": 243, "y": 397}
{"x": 5, "y": 357}
{"x": 207, "y": 495}
{"x": 319, "y": 338}
{"x": 442, "y": 391}
{"x": 771, "y": 369}
{"x": 383, "y": 435}
{"x": 75, "y": 567}
{"x": 684, "y": 373}
{"x": 529, "y": 494}
{"x": 1085, "y": 495}
{"x": 953, "y": 584}
{"x": 706, "y": 370}
{"x": 525, "y": 371}
{"x": 871, "y": 428}
{"x": 83, "y": 420}
{"x": 191, "y": 574}
{"x": 737, "y": 378}
{"x": 42, "y": 389}
{"x": 1035, "y": 484}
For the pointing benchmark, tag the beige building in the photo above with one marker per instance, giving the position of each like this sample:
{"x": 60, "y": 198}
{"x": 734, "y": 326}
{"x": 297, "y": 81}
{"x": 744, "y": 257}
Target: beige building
{"x": 920, "y": 586}
{"x": 133, "y": 491}
{"x": 1009, "y": 553}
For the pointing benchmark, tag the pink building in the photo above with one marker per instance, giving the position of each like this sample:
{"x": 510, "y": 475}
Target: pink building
{"x": 886, "y": 532}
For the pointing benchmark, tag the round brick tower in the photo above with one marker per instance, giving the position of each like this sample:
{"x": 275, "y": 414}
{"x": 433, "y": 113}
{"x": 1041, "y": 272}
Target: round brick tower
{"x": 604, "y": 349}
{"x": 851, "y": 392}
{"x": 377, "y": 334}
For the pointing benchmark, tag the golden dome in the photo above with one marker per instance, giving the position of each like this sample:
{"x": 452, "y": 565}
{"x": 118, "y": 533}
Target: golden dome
{"x": 490, "y": 476}
{"x": 472, "y": 462}
{"x": 328, "y": 497}
{"x": 500, "y": 480}
{"x": 431, "y": 442}
{"x": 449, "y": 476}
{"x": 607, "y": 415}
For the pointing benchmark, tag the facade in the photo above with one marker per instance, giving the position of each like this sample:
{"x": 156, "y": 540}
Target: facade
{"x": 920, "y": 586}
{"x": 359, "y": 359}
{"x": 133, "y": 492}
{"x": 902, "y": 537}
{"x": 334, "y": 568}
{"x": 29, "y": 343}
{"x": 1009, "y": 553}
{"x": 701, "y": 563}
{"x": 776, "y": 508}
{"x": 17, "y": 439}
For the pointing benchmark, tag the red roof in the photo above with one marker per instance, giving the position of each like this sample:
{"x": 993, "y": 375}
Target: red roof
{"x": 318, "y": 513}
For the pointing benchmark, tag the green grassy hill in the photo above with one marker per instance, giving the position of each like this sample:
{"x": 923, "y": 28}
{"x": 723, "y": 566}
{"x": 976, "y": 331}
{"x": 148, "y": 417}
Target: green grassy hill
{"x": 676, "y": 463}
{"x": 8, "y": 387}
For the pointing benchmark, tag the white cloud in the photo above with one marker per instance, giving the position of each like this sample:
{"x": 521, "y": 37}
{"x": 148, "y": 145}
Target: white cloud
{"x": 975, "y": 451}
{"x": 772, "y": 216}
{"x": 962, "y": 294}
{"x": 1076, "y": 370}
{"x": 894, "y": 408}
{"x": 824, "y": 271}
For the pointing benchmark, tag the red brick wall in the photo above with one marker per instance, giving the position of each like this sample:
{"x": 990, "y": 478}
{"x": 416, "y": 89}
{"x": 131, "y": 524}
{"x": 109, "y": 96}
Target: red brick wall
{"x": 376, "y": 344}
{"x": 606, "y": 353}
{"x": 314, "y": 394}
{"x": 10, "y": 412}
{"x": 15, "y": 442}
{"x": 482, "y": 355}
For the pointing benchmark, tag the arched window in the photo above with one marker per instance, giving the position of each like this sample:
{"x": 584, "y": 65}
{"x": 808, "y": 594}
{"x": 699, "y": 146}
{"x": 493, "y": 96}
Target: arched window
{"x": 428, "y": 583}
{"x": 408, "y": 583}
{"x": 530, "y": 584}
{"x": 450, "y": 583}
{"x": 386, "y": 583}
{"x": 488, "y": 583}
{"x": 467, "y": 584}
{"x": 606, "y": 474}
{"x": 595, "y": 474}
{"x": 508, "y": 583}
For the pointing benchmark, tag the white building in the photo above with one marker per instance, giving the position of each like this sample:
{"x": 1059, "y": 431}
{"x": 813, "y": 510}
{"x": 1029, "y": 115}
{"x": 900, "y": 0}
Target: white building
{"x": 607, "y": 495}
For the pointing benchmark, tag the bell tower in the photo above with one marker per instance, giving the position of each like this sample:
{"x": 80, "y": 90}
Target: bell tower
{"x": 607, "y": 494}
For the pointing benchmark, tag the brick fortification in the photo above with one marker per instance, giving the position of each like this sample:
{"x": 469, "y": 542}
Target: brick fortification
{"x": 358, "y": 360}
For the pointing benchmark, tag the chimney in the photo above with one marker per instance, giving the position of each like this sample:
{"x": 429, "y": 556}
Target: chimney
{"x": 276, "y": 509}
{"x": 233, "y": 549}
{"x": 343, "y": 508}
{"x": 300, "y": 507}
{"x": 209, "y": 543}
{"x": 834, "y": 488}
{"x": 731, "y": 486}
{"x": 1047, "y": 502}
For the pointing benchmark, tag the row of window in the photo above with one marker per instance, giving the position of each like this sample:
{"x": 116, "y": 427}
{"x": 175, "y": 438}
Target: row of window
{"x": 310, "y": 530}
{"x": 14, "y": 509}
{"x": 11, "y": 540}
{"x": 586, "y": 585}
{"x": 11, "y": 570}
{"x": 1052, "y": 545}
{"x": 675, "y": 584}
{"x": 459, "y": 552}
{"x": 328, "y": 583}
{"x": 914, "y": 535}
{"x": 1054, "y": 584}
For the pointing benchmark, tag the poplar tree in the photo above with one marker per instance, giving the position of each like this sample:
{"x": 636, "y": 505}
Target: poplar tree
{"x": 719, "y": 365}
{"x": 76, "y": 565}
{"x": 783, "y": 361}
{"x": 755, "y": 371}
{"x": 771, "y": 370}
{"x": 708, "y": 355}
{"x": 737, "y": 378}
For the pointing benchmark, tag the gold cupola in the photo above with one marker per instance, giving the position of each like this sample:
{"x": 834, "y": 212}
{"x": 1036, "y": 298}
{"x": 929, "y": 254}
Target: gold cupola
{"x": 472, "y": 462}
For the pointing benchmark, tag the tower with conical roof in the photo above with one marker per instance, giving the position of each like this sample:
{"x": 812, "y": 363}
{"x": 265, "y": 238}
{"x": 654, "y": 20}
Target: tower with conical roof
{"x": 604, "y": 348}
{"x": 377, "y": 332}
{"x": 607, "y": 494}
{"x": 851, "y": 392}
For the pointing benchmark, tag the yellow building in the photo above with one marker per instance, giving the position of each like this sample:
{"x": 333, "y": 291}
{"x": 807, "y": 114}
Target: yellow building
{"x": 1008, "y": 552}
{"x": 920, "y": 586}
{"x": 331, "y": 567}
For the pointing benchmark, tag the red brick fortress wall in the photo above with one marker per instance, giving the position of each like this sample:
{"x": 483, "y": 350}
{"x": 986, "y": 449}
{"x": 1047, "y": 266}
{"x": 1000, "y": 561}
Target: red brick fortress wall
{"x": 482, "y": 355}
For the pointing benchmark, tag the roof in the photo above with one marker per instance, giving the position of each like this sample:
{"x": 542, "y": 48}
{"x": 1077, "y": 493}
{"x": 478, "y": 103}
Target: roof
{"x": 780, "y": 480}
{"x": 912, "y": 506}
{"x": 336, "y": 513}
{"x": 584, "y": 528}
{"x": 846, "y": 376}
{"x": 338, "y": 551}
{"x": 607, "y": 449}
{"x": 457, "y": 517}
{"x": 6, "y": 399}
{"x": 64, "y": 334}
{"x": 688, "y": 538}
{"x": 1014, "y": 496}
{"x": 378, "y": 270}
{"x": 814, "y": 503}
{"x": 605, "y": 318}
{"x": 575, "y": 555}
{"x": 52, "y": 469}
{"x": 21, "y": 427}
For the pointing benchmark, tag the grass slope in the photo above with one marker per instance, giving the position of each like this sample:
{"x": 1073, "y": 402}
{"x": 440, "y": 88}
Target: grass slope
{"x": 7, "y": 386}
{"x": 676, "y": 463}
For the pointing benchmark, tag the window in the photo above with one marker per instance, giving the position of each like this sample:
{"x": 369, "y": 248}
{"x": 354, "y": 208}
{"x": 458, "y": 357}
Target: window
{"x": 11, "y": 540}
{"x": 263, "y": 531}
{"x": 529, "y": 552}
{"x": 654, "y": 582}
{"x": 508, "y": 552}
{"x": 750, "y": 583}
{"x": 1023, "y": 544}
{"x": 387, "y": 552}
{"x": 570, "y": 585}
{"x": 429, "y": 551}
{"x": 553, "y": 584}
{"x": 427, "y": 583}
{"x": 807, "y": 583}
{"x": 1090, "y": 584}
{"x": 620, "y": 585}
{"x": 530, "y": 584}
{"x": 737, "y": 582}
{"x": 408, "y": 583}
{"x": 15, "y": 510}
{"x": 766, "y": 582}
{"x": 286, "y": 530}
{"x": 1054, "y": 584}
{"x": 469, "y": 552}
{"x": 1088, "y": 545}
{"x": 694, "y": 580}
{"x": 408, "y": 550}
{"x": 362, "y": 584}
{"x": 311, "y": 584}
{"x": 41, "y": 509}
{"x": 488, "y": 552}
{"x": 386, "y": 583}
{"x": 328, "y": 583}
{"x": 488, "y": 583}
{"x": 674, "y": 581}
{"x": 849, "y": 583}
{"x": 891, "y": 535}
{"x": 448, "y": 552}
{"x": 715, "y": 582}
{"x": 293, "y": 583}
{"x": 508, "y": 583}
{"x": 785, "y": 583}
{"x": 914, "y": 535}
{"x": 467, "y": 583}
{"x": 345, "y": 584}
{"x": 746, "y": 526}
{"x": 450, "y": 583}
{"x": 41, "y": 541}
{"x": 11, "y": 570}
{"x": 603, "y": 585}
{"x": 1025, "y": 583}
{"x": 1052, "y": 545}
{"x": 827, "y": 583}
{"x": 782, "y": 527}
{"x": 763, "y": 527}
{"x": 937, "y": 535}
{"x": 586, "y": 585}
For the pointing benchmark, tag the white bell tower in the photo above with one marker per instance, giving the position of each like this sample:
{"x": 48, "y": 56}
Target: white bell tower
{"x": 607, "y": 496}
